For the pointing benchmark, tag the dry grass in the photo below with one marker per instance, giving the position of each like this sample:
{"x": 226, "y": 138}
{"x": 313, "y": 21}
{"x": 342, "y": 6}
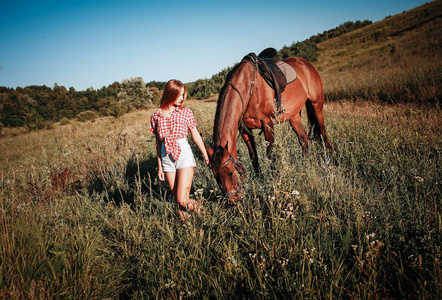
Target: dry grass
{"x": 85, "y": 216}
{"x": 395, "y": 60}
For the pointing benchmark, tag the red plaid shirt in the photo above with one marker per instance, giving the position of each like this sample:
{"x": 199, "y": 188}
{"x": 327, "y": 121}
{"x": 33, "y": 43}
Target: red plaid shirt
{"x": 170, "y": 129}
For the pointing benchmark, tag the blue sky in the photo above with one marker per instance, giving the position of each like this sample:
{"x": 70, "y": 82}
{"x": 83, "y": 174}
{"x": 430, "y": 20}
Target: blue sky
{"x": 94, "y": 43}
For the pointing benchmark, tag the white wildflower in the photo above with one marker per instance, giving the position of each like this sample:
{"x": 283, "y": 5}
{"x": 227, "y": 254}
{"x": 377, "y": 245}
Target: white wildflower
{"x": 419, "y": 179}
{"x": 296, "y": 193}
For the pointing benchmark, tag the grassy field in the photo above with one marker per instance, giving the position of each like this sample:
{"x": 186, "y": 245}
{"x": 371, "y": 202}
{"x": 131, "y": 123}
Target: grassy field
{"x": 83, "y": 216}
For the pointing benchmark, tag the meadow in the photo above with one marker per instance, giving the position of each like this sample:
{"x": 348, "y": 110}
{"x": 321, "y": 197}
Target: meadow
{"x": 83, "y": 215}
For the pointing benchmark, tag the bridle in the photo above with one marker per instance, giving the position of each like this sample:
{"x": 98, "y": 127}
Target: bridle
{"x": 239, "y": 167}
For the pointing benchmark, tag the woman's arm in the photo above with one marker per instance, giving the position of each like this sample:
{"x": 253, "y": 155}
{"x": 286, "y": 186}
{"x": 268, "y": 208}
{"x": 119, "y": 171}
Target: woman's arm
{"x": 199, "y": 142}
{"x": 160, "y": 166}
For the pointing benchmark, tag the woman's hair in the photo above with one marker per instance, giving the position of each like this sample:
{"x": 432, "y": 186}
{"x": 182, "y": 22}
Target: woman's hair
{"x": 171, "y": 92}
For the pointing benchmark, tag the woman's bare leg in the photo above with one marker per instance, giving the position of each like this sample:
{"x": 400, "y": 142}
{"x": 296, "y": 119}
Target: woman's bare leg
{"x": 181, "y": 184}
{"x": 183, "y": 187}
{"x": 171, "y": 178}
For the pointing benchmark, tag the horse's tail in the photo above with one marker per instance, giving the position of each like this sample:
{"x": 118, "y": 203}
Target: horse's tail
{"x": 313, "y": 120}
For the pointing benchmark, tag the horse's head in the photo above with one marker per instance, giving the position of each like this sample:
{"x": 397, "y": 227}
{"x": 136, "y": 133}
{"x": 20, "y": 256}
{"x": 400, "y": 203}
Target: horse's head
{"x": 229, "y": 172}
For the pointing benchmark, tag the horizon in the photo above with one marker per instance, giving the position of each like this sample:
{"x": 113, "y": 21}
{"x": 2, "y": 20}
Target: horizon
{"x": 84, "y": 44}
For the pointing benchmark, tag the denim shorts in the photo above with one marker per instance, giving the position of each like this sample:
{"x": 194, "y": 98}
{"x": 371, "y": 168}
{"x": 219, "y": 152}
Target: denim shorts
{"x": 186, "y": 159}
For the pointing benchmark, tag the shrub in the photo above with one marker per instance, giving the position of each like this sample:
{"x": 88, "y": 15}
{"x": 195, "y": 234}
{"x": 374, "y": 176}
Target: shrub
{"x": 35, "y": 121}
{"x": 88, "y": 115}
{"x": 64, "y": 121}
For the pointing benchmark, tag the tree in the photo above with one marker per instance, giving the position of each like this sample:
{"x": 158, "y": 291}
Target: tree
{"x": 156, "y": 95}
{"x": 158, "y": 84}
{"x": 109, "y": 106}
{"x": 306, "y": 49}
{"x": 134, "y": 94}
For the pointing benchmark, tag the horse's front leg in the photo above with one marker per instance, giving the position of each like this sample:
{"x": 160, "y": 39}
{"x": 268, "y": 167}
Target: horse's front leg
{"x": 251, "y": 146}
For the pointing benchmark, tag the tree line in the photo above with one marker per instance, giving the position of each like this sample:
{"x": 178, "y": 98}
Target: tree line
{"x": 308, "y": 48}
{"x": 37, "y": 107}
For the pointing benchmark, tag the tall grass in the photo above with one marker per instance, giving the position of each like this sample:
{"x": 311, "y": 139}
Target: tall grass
{"x": 85, "y": 216}
{"x": 392, "y": 81}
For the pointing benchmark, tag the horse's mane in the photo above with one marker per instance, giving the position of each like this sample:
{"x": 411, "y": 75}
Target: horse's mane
{"x": 221, "y": 100}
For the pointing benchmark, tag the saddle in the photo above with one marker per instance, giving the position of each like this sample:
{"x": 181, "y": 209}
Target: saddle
{"x": 277, "y": 73}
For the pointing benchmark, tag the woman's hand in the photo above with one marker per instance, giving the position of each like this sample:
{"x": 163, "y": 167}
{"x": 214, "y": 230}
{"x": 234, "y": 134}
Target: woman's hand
{"x": 158, "y": 148}
{"x": 199, "y": 142}
{"x": 161, "y": 174}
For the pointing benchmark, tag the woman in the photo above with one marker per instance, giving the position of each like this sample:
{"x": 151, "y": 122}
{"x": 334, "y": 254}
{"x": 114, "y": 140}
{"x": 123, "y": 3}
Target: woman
{"x": 176, "y": 162}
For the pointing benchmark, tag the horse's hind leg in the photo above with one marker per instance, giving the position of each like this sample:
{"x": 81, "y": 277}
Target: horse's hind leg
{"x": 268, "y": 129}
{"x": 316, "y": 118}
{"x": 297, "y": 127}
{"x": 251, "y": 146}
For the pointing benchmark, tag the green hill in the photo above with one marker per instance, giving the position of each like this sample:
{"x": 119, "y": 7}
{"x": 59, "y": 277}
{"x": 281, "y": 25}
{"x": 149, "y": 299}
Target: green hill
{"x": 397, "y": 59}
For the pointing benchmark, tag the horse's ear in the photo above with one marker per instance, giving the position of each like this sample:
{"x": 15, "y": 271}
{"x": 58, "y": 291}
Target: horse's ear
{"x": 209, "y": 151}
{"x": 226, "y": 149}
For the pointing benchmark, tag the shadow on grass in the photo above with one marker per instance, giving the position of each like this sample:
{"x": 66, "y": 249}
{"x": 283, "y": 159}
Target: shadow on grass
{"x": 139, "y": 179}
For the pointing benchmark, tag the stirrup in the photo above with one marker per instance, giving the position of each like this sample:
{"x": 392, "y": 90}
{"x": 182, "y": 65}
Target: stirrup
{"x": 280, "y": 109}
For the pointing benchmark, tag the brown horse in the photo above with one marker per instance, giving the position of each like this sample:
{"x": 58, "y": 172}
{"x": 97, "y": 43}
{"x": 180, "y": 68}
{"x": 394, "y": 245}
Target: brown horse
{"x": 246, "y": 102}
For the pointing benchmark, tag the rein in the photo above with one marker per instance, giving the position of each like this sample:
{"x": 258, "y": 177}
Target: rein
{"x": 251, "y": 59}
{"x": 239, "y": 167}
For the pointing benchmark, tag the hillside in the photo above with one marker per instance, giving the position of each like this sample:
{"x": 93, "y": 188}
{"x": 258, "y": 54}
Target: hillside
{"x": 412, "y": 33}
{"x": 399, "y": 55}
